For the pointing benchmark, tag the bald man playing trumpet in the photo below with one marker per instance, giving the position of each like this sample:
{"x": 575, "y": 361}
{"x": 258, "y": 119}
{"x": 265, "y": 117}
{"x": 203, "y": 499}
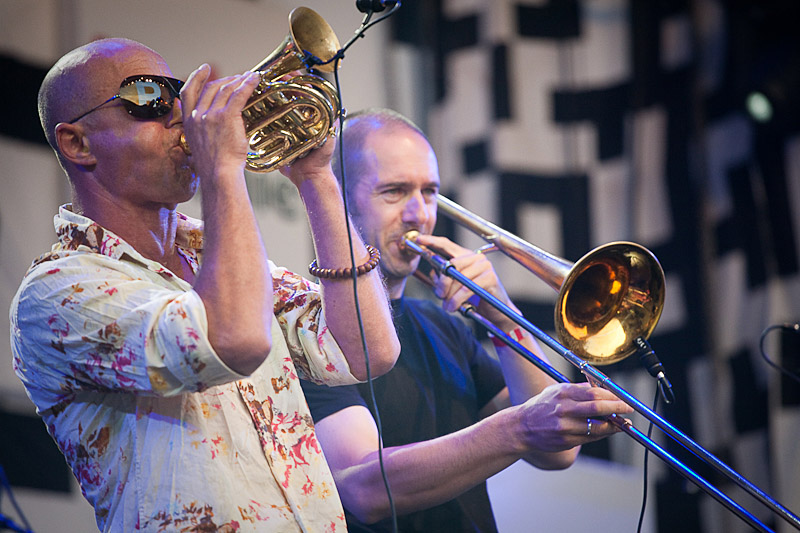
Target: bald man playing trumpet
{"x": 162, "y": 352}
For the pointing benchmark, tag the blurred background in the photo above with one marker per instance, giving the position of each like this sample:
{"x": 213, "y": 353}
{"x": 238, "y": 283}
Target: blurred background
{"x": 570, "y": 123}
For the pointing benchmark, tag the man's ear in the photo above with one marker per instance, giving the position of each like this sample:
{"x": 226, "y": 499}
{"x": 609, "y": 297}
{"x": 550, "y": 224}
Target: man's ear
{"x": 74, "y": 144}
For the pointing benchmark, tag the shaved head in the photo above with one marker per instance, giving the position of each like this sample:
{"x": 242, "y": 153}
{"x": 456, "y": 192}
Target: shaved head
{"x": 358, "y": 128}
{"x": 82, "y": 79}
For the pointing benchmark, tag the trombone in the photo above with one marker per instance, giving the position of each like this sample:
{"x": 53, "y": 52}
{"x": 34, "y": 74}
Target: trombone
{"x": 609, "y": 302}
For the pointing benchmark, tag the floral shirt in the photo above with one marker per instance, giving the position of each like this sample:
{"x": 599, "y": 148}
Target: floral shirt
{"x": 112, "y": 349}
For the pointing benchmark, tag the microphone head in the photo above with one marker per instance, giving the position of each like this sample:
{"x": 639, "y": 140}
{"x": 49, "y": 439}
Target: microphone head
{"x": 374, "y": 6}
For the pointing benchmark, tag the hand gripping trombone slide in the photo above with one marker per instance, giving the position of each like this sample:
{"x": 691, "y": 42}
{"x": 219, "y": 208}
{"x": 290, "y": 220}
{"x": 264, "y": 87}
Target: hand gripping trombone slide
{"x": 608, "y": 300}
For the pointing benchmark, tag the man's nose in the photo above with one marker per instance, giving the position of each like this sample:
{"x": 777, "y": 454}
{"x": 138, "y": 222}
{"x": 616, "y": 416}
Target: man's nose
{"x": 416, "y": 210}
{"x": 176, "y": 115}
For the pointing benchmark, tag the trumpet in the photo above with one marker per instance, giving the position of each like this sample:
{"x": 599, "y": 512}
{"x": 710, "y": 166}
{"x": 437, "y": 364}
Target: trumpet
{"x": 611, "y": 284}
{"x": 291, "y": 112}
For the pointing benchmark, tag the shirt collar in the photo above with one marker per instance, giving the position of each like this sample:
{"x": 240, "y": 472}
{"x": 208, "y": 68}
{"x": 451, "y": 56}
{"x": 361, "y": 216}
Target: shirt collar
{"x": 75, "y": 230}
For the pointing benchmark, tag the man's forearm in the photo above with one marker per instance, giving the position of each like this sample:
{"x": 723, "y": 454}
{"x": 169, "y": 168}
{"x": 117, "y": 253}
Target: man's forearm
{"x": 524, "y": 381}
{"x": 429, "y": 473}
{"x": 234, "y": 281}
{"x": 322, "y": 199}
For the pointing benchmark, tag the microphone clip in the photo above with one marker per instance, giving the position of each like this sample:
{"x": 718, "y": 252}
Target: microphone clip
{"x": 653, "y": 365}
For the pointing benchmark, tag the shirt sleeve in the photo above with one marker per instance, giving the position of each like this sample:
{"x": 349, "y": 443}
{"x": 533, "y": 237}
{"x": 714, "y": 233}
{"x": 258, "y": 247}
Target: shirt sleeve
{"x": 88, "y": 322}
{"x": 314, "y": 351}
{"x": 324, "y": 401}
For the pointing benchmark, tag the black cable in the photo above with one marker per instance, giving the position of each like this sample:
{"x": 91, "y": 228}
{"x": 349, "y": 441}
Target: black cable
{"x": 646, "y": 456}
{"x": 311, "y": 60}
{"x": 376, "y": 415}
{"x": 789, "y": 327}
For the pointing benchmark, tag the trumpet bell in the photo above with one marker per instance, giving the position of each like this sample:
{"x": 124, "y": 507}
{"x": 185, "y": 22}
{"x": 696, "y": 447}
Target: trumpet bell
{"x": 609, "y": 297}
{"x": 310, "y": 35}
{"x": 290, "y": 112}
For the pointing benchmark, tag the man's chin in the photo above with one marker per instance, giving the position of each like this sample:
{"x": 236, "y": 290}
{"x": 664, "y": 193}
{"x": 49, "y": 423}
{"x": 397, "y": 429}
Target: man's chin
{"x": 189, "y": 183}
{"x": 399, "y": 269}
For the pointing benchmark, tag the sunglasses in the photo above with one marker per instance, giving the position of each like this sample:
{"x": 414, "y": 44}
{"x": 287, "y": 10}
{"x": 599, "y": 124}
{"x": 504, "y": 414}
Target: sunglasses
{"x": 144, "y": 96}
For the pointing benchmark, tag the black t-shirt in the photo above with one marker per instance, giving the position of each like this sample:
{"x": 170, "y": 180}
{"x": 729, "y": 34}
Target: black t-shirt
{"x": 442, "y": 378}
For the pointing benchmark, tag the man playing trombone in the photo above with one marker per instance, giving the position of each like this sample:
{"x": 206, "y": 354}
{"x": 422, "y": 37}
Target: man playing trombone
{"x": 452, "y": 415}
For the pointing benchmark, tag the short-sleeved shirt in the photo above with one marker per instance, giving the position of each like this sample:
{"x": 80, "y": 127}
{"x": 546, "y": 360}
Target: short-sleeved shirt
{"x": 441, "y": 380}
{"x": 162, "y": 436}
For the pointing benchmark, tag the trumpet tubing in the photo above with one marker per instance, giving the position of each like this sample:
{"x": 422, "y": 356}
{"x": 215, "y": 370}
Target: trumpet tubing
{"x": 286, "y": 118}
{"x": 290, "y": 112}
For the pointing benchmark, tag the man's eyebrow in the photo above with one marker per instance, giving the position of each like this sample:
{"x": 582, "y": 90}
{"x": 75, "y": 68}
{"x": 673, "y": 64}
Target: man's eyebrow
{"x": 405, "y": 184}
{"x": 393, "y": 184}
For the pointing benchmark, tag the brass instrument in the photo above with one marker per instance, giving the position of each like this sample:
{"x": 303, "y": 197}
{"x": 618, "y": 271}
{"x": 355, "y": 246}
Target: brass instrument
{"x": 291, "y": 113}
{"x": 610, "y": 297}
{"x": 620, "y": 284}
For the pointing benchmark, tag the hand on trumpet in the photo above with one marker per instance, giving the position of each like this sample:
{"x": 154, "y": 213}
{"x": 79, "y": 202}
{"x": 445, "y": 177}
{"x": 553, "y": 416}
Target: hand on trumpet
{"x": 477, "y": 267}
{"x": 211, "y": 112}
{"x": 315, "y": 163}
{"x": 312, "y": 165}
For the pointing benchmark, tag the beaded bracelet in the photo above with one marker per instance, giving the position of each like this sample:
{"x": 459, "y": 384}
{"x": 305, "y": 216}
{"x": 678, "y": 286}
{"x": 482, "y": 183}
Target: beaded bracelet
{"x": 340, "y": 273}
{"x": 516, "y": 334}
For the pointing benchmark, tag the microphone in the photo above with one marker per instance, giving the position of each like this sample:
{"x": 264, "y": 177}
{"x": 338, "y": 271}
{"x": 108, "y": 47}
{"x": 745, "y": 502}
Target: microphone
{"x": 374, "y": 6}
{"x": 653, "y": 365}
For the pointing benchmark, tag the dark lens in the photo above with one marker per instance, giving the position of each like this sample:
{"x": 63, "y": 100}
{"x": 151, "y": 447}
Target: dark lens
{"x": 174, "y": 85}
{"x": 146, "y": 98}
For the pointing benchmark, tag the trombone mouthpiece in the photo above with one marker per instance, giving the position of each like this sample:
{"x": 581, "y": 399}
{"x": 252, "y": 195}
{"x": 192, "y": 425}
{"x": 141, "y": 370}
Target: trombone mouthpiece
{"x": 408, "y": 236}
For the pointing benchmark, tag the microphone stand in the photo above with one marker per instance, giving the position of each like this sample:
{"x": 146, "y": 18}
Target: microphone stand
{"x": 597, "y": 378}
{"x": 8, "y": 524}
{"x": 5, "y": 522}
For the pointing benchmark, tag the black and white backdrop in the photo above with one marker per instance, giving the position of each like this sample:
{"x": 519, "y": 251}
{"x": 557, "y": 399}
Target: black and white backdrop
{"x": 576, "y": 123}
{"x": 569, "y": 123}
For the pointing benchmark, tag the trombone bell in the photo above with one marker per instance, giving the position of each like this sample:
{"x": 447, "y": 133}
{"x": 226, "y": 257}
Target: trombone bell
{"x": 607, "y": 299}
{"x": 611, "y": 296}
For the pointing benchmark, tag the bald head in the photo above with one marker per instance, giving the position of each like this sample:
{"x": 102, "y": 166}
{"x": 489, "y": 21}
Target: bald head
{"x": 358, "y": 128}
{"x": 81, "y": 79}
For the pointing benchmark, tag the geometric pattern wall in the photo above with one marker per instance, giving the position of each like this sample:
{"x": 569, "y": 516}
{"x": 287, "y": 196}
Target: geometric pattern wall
{"x": 577, "y": 123}
{"x": 25, "y": 438}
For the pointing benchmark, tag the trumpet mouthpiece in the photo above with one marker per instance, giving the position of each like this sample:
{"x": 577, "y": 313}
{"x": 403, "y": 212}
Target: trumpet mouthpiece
{"x": 185, "y": 145}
